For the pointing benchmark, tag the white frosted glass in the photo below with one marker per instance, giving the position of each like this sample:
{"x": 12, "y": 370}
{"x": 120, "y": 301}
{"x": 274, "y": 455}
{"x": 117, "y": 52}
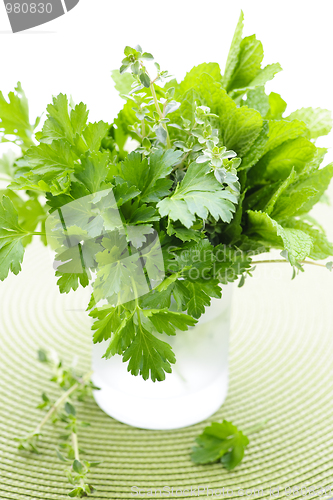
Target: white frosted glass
{"x": 194, "y": 390}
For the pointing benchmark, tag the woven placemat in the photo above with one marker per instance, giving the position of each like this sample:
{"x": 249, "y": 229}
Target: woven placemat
{"x": 281, "y": 369}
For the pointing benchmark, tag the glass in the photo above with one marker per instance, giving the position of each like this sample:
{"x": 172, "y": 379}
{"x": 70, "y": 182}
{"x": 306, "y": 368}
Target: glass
{"x": 194, "y": 390}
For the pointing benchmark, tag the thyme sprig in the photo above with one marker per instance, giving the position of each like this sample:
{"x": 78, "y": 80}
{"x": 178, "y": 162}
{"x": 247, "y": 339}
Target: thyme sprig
{"x": 62, "y": 410}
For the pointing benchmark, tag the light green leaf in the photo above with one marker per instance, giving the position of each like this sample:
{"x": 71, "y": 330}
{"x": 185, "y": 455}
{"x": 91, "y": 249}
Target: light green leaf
{"x": 284, "y": 130}
{"x": 14, "y": 117}
{"x": 191, "y": 78}
{"x": 266, "y": 230}
{"x": 277, "y": 106}
{"x": 11, "y": 234}
{"x": 258, "y": 99}
{"x": 123, "y": 81}
{"x": 261, "y": 78}
{"x": 318, "y": 120}
{"x": 281, "y": 189}
{"x": 257, "y": 149}
{"x": 7, "y": 162}
{"x": 135, "y": 170}
{"x": 249, "y": 62}
{"x": 107, "y": 321}
{"x": 233, "y": 55}
{"x": 318, "y": 180}
{"x": 322, "y": 248}
{"x": 71, "y": 281}
{"x": 278, "y": 163}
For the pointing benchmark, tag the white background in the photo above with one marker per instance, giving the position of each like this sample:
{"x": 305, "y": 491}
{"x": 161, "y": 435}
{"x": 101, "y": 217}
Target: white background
{"x": 75, "y": 53}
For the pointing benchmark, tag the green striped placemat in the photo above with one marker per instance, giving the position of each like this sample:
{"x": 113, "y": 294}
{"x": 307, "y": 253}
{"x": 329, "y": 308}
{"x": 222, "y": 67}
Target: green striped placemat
{"x": 281, "y": 369}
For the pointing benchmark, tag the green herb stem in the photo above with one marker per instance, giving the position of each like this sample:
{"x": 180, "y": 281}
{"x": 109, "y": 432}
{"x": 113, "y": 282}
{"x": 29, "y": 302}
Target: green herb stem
{"x": 60, "y": 401}
{"x": 158, "y": 109}
{"x": 256, "y": 427}
{"x": 143, "y": 129}
{"x": 75, "y": 444}
{"x": 281, "y": 261}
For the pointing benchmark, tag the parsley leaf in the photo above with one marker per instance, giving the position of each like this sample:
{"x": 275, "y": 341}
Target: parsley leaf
{"x": 149, "y": 356}
{"x": 14, "y": 118}
{"x": 11, "y": 235}
{"x": 199, "y": 193}
{"x": 220, "y": 442}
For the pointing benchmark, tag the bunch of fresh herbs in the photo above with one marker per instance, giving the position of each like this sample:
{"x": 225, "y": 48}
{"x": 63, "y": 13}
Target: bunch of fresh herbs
{"x": 218, "y": 172}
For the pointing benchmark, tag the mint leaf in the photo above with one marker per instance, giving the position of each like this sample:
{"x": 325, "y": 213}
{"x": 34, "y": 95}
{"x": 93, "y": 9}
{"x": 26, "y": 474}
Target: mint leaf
{"x": 262, "y": 77}
{"x": 322, "y": 248}
{"x": 123, "y": 81}
{"x": 278, "y": 163}
{"x": 234, "y": 51}
{"x": 284, "y": 130}
{"x": 276, "y": 197}
{"x": 318, "y": 180}
{"x": 258, "y": 99}
{"x": 239, "y": 126}
{"x": 257, "y": 149}
{"x": 277, "y": 106}
{"x": 191, "y": 78}
{"x": 266, "y": 230}
{"x": 292, "y": 204}
{"x": 318, "y": 120}
{"x": 249, "y": 63}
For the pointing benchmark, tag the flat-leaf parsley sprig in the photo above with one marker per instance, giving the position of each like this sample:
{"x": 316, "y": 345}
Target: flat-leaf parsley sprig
{"x": 223, "y": 442}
